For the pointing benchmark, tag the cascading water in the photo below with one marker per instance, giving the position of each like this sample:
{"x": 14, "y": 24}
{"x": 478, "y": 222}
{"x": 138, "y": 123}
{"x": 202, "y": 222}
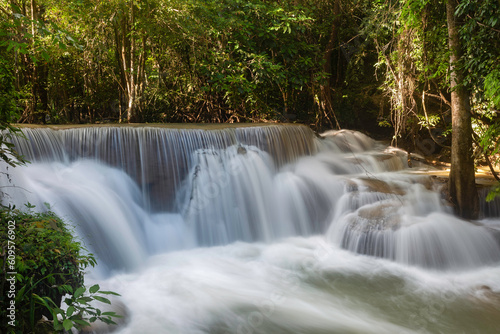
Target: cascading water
{"x": 264, "y": 229}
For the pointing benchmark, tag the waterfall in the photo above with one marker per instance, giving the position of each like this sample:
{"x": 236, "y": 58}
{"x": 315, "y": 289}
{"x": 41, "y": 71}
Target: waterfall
{"x": 157, "y": 158}
{"x": 161, "y": 189}
{"x": 264, "y": 229}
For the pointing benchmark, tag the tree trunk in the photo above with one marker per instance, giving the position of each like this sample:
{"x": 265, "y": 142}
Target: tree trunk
{"x": 34, "y": 68}
{"x": 462, "y": 184}
{"x": 326, "y": 103}
{"x": 131, "y": 82}
{"x": 131, "y": 61}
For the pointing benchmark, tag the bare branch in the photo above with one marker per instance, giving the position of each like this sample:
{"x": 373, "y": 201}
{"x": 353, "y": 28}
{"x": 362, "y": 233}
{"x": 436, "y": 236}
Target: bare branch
{"x": 439, "y": 97}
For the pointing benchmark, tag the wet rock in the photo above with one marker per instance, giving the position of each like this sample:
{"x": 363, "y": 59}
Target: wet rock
{"x": 380, "y": 186}
{"x": 379, "y": 217}
{"x": 242, "y": 150}
{"x": 370, "y": 229}
{"x": 351, "y": 186}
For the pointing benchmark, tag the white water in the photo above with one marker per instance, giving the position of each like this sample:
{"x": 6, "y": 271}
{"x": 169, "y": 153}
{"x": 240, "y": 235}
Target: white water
{"x": 255, "y": 244}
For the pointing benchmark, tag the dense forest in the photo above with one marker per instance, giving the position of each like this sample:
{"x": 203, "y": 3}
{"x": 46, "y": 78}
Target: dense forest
{"x": 377, "y": 66}
{"x": 328, "y": 63}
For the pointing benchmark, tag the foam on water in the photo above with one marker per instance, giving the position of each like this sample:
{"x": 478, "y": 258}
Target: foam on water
{"x": 264, "y": 230}
{"x": 302, "y": 285}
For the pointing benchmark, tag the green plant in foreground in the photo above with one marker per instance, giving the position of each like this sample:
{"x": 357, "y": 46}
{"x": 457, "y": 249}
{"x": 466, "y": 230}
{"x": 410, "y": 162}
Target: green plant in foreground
{"x": 80, "y": 313}
{"x": 48, "y": 264}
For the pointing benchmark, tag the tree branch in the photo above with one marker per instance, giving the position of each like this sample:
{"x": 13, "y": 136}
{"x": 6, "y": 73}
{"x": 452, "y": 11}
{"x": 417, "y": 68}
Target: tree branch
{"x": 439, "y": 97}
{"x": 483, "y": 25}
{"x": 490, "y": 165}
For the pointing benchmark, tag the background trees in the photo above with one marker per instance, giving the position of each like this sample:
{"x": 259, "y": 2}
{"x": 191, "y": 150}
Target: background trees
{"x": 327, "y": 63}
{"x": 164, "y": 60}
{"x": 443, "y": 87}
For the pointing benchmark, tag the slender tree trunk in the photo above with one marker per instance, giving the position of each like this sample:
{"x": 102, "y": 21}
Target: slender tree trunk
{"x": 326, "y": 103}
{"x": 131, "y": 82}
{"x": 131, "y": 60}
{"x": 462, "y": 184}
{"x": 34, "y": 67}
{"x": 39, "y": 72}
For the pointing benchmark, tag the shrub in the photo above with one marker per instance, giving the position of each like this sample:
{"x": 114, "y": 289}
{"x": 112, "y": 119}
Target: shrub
{"x": 48, "y": 263}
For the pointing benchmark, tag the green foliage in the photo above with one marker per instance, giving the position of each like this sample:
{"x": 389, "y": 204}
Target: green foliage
{"x": 8, "y": 111}
{"x": 79, "y": 313}
{"x": 492, "y": 87}
{"x": 246, "y": 59}
{"x": 44, "y": 35}
{"x": 489, "y": 139}
{"x": 49, "y": 263}
{"x": 8, "y": 153}
{"x": 429, "y": 122}
{"x": 204, "y": 61}
{"x": 8, "y": 94}
{"x": 234, "y": 60}
{"x": 411, "y": 39}
{"x": 494, "y": 193}
{"x": 480, "y": 35}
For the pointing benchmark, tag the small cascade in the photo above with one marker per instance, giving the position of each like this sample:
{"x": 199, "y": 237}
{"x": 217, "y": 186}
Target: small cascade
{"x": 418, "y": 241}
{"x": 488, "y": 208}
{"x": 409, "y": 223}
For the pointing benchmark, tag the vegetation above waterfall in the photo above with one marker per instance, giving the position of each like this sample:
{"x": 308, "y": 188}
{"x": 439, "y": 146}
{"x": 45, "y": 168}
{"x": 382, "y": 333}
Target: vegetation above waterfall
{"x": 359, "y": 64}
{"x": 49, "y": 264}
{"x": 384, "y": 62}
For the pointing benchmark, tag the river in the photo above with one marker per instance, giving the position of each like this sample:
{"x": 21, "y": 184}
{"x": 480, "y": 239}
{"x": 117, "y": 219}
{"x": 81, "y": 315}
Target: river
{"x": 264, "y": 229}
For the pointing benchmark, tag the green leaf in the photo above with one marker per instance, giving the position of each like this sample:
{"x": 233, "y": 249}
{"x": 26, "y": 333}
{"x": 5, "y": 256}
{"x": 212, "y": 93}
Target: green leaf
{"x": 70, "y": 310}
{"x": 67, "y": 324}
{"x": 108, "y": 321}
{"x": 84, "y": 300}
{"x": 68, "y": 288}
{"x": 82, "y": 323}
{"x": 102, "y": 299}
{"x": 57, "y": 325}
{"x": 45, "y": 55}
{"x": 11, "y": 45}
{"x": 109, "y": 293}
{"x": 94, "y": 288}
{"x": 112, "y": 314}
{"x": 58, "y": 311}
{"x": 495, "y": 192}
{"x": 79, "y": 292}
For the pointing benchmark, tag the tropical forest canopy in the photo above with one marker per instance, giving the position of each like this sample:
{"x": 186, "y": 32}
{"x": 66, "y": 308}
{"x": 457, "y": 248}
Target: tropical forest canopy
{"x": 360, "y": 64}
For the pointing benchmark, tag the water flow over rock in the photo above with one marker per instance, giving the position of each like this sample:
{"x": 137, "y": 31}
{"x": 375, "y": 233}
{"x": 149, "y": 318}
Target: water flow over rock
{"x": 158, "y": 158}
{"x": 134, "y": 192}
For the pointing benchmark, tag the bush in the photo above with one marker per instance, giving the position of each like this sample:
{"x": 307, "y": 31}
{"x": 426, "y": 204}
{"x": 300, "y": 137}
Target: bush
{"x": 48, "y": 263}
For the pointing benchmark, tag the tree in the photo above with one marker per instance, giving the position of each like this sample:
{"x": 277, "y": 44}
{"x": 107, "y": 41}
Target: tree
{"x": 131, "y": 50}
{"x": 462, "y": 184}
{"x": 326, "y": 103}
{"x": 480, "y": 37}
